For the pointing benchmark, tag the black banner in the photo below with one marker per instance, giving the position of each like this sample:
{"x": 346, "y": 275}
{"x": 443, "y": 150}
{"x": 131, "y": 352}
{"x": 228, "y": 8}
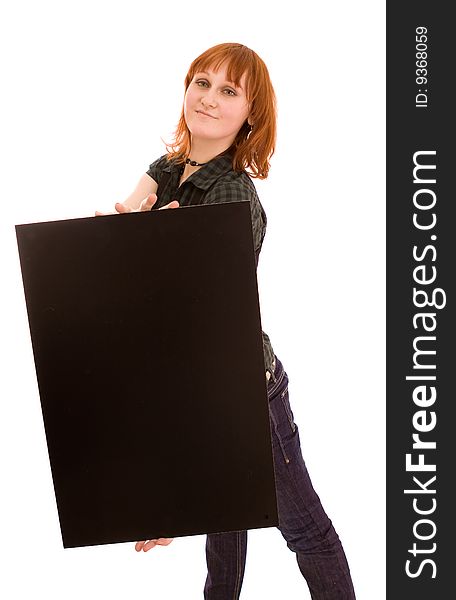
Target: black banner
{"x": 420, "y": 300}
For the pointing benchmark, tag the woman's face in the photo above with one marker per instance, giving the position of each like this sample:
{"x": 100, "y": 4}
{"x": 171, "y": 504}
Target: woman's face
{"x": 214, "y": 108}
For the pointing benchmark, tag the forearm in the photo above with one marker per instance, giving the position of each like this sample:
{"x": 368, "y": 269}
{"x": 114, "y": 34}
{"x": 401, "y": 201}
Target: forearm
{"x": 146, "y": 185}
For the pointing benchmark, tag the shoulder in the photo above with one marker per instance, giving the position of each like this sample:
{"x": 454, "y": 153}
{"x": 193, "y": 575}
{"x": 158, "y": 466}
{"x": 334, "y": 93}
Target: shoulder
{"x": 239, "y": 187}
{"x": 158, "y": 166}
{"x": 232, "y": 187}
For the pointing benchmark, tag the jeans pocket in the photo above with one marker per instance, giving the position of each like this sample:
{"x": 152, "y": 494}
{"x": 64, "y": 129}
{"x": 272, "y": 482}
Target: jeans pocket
{"x": 286, "y": 405}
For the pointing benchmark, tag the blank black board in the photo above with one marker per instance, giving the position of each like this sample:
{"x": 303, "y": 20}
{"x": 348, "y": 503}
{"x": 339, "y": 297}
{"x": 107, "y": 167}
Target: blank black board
{"x": 147, "y": 342}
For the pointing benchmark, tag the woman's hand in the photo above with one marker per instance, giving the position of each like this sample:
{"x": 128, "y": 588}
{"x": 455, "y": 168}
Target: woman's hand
{"x": 145, "y": 205}
{"x": 149, "y": 544}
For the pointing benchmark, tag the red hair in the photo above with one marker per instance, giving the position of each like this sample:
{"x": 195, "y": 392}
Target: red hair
{"x": 253, "y": 146}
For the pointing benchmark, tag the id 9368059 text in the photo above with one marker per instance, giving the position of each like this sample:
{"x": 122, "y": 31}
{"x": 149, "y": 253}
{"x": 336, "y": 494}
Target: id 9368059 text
{"x": 421, "y": 71}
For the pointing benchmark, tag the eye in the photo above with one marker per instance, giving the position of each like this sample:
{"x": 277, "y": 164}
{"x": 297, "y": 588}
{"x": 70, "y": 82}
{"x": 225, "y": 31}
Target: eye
{"x": 202, "y": 83}
{"x": 229, "y": 92}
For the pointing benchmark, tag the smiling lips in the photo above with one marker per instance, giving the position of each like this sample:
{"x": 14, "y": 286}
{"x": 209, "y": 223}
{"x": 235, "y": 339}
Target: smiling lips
{"x": 201, "y": 112}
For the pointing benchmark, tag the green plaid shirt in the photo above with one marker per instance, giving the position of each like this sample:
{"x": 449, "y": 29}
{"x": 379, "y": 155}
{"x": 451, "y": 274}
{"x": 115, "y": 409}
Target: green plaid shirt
{"x": 220, "y": 184}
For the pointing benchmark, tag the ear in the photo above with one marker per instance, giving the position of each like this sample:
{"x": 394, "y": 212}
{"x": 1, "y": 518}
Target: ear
{"x": 249, "y": 121}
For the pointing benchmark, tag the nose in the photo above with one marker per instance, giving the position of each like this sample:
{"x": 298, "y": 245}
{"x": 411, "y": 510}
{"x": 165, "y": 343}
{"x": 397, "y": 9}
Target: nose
{"x": 208, "y": 99}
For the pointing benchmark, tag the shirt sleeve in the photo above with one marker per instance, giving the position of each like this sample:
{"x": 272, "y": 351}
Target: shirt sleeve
{"x": 241, "y": 189}
{"x": 155, "y": 169}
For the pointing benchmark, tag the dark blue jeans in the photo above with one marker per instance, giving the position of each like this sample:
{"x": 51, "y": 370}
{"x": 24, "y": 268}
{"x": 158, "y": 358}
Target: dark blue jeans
{"x": 302, "y": 520}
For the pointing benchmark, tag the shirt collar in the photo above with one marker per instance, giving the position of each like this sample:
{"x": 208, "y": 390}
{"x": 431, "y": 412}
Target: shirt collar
{"x": 207, "y": 175}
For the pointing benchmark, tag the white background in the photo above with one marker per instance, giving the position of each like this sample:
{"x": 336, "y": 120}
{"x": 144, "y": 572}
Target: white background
{"x": 89, "y": 88}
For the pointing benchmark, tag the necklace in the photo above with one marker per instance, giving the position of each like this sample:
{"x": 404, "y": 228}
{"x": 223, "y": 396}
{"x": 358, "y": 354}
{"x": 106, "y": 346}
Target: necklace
{"x": 194, "y": 163}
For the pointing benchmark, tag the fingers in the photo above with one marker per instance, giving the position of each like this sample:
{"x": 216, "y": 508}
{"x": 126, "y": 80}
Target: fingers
{"x": 145, "y": 205}
{"x": 173, "y": 204}
{"x": 145, "y": 545}
{"x": 121, "y": 208}
{"x": 148, "y": 202}
{"x": 148, "y": 545}
{"x": 151, "y": 199}
{"x": 164, "y": 541}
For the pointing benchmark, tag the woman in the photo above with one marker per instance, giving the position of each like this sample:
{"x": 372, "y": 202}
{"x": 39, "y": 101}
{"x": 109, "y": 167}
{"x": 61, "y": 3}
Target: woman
{"x": 224, "y": 138}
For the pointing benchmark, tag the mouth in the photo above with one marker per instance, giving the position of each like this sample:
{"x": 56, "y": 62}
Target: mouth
{"x": 201, "y": 112}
